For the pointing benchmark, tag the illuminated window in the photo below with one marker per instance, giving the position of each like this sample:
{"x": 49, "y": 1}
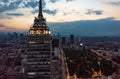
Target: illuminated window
{"x": 43, "y": 31}
{"x": 32, "y": 42}
{"x": 31, "y": 73}
{"x": 49, "y": 62}
{"x": 31, "y": 32}
{"x": 46, "y": 32}
{"x": 49, "y": 32}
{"x": 38, "y": 32}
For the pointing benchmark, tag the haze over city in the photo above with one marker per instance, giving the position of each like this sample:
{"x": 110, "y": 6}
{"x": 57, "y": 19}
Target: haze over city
{"x": 80, "y": 17}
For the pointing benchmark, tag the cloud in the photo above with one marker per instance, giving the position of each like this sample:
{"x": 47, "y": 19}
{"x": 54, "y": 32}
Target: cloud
{"x": 9, "y": 28}
{"x": 51, "y": 12}
{"x": 3, "y": 16}
{"x": 34, "y": 11}
{"x": 8, "y": 5}
{"x": 11, "y": 6}
{"x": 14, "y": 14}
{"x": 32, "y": 4}
{"x": 5, "y": 0}
{"x": 101, "y": 27}
{"x": 71, "y": 12}
{"x": 1, "y": 25}
{"x": 53, "y": 1}
{"x": 114, "y": 3}
{"x": 96, "y": 12}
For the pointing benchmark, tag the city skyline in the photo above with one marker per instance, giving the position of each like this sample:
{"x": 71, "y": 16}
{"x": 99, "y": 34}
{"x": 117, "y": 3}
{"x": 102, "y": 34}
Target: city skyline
{"x": 62, "y": 41}
{"x": 85, "y": 18}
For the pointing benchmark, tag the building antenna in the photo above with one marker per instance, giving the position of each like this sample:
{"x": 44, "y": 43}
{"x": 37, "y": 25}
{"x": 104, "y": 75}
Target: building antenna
{"x": 40, "y": 9}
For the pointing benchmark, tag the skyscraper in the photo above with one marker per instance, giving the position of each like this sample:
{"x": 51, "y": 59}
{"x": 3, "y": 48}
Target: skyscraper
{"x": 63, "y": 40}
{"x": 39, "y": 49}
{"x": 71, "y": 39}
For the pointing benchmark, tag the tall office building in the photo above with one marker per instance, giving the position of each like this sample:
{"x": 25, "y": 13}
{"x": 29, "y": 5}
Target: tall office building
{"x": 39, "y": 49}
{"x": 63, "y": 40}
{"x": 71, "y": 39}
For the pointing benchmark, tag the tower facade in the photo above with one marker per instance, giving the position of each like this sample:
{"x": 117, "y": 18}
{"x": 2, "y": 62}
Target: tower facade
{"x": 39, "y": 49}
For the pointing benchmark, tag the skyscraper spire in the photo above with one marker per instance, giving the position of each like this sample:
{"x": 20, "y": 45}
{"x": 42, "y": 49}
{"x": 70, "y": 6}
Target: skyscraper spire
{"x": 40, "y": 9}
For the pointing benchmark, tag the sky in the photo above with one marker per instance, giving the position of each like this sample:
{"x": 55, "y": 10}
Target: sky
{"x": 79, "y": 17}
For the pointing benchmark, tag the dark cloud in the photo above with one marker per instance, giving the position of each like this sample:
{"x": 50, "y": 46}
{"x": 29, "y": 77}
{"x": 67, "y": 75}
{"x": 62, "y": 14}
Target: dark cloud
{"x": 14, "y": 14}
{"x": 96, "y": 12}
{"x": 34, "y": 4}
{"x": 53, "y": 1}
{"x": 15, "y": 5}
{"x": 1, "y": 25}
{"x": 12, "y": 6}
{"x": 51, "y": 12}
{"x": 101, "y": 27}
{"x": 5, "y": 1}
{"x": 115, "y": 3}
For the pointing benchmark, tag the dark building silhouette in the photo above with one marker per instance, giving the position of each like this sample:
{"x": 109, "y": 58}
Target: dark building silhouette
{"x": 55, "y": 43}
{"x": 63, "y": 40}
{"x": 71, "y": 39}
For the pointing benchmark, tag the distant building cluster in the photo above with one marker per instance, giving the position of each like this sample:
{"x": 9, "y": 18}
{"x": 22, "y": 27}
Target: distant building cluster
{"x": 12, "y": 53}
